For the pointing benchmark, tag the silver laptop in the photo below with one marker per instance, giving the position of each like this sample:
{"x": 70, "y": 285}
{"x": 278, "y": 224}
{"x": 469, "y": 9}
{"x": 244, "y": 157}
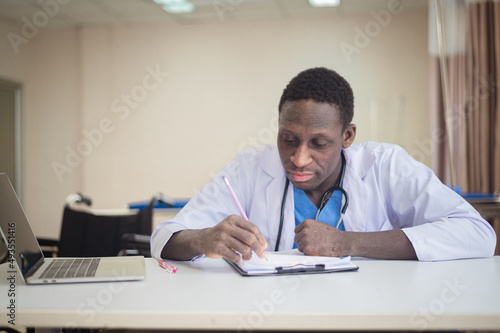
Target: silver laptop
{"x": 20, "y": 250}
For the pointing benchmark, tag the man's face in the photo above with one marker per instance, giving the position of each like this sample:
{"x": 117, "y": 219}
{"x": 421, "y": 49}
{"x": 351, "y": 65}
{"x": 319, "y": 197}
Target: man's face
{"x": 310, "y": 141}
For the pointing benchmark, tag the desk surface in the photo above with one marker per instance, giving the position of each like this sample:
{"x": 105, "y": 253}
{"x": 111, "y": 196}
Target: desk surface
{"x": 208, "y": 294}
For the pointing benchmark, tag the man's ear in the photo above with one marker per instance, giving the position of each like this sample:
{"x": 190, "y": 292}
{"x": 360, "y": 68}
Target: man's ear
{"x": 349, "y": 135}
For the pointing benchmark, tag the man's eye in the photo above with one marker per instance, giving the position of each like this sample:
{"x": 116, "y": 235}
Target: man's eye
{"x": 289, "y": 139}
{"x": 320, "y": 144}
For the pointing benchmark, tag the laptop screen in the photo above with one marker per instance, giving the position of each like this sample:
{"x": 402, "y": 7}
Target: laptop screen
{"x": 19, "y": 237}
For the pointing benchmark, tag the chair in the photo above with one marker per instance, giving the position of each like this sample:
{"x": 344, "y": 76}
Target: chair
{"x": 135, "y": 244}
{"x": 89, "y": 233}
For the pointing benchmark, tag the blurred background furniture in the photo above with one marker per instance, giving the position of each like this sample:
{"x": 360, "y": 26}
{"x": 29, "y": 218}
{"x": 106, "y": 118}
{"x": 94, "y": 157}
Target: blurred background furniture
{"x": 99, "y": 233}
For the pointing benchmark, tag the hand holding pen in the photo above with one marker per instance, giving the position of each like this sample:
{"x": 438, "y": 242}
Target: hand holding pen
{"x": 233, "y": 238}
{"x": 261, "y": 239}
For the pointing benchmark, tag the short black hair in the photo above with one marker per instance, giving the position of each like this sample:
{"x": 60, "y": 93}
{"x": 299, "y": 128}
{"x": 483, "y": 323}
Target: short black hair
{"x": 322, "y": 85}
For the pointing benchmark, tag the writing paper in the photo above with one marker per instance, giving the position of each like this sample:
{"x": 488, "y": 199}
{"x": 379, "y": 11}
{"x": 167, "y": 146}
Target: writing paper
{"x": 291, "y": 262}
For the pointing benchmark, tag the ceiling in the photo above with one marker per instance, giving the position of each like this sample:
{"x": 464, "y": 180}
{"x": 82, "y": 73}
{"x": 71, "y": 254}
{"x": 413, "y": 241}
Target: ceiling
{"x": 72, "y": 13}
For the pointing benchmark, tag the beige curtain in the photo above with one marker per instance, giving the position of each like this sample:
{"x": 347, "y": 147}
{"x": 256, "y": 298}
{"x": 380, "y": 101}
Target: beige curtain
{"x": 468, "y": 131}
{"x": 473, "y": 114}
{"x": 482, "y": 86}
{"x": 448, "y": 125}
{"x": 456, "y": 118}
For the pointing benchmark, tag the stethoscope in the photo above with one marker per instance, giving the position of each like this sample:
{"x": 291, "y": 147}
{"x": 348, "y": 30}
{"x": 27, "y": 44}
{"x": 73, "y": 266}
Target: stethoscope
{"x": 324, "y": 200}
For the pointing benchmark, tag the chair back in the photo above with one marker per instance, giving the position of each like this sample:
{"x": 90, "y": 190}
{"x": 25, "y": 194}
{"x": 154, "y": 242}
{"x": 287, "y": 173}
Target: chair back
{"x": 86, "y": 234}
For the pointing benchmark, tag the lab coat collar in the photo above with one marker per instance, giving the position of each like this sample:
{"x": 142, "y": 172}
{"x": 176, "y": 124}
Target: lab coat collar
{"x": 358, "y": 162}
{"x": 271, "y": 164}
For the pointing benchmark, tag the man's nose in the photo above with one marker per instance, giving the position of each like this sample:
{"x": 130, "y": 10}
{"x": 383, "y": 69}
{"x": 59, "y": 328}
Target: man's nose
{"x": 301, "y": 158}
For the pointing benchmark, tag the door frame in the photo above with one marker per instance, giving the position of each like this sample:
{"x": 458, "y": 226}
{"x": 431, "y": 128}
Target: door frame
{"x": 17, "y": 89}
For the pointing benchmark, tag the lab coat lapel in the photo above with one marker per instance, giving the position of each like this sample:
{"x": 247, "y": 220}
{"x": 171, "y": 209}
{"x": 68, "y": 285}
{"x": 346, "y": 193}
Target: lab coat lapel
{"x": 358, "y": 162}
{"x": 271, "y": 165}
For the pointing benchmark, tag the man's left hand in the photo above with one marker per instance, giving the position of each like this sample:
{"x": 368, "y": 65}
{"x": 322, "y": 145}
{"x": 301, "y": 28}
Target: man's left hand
{"x": 315, "y": 238}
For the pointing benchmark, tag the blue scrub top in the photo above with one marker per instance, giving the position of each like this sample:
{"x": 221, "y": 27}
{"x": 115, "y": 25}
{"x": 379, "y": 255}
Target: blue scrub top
{"x": 305, "y": 209}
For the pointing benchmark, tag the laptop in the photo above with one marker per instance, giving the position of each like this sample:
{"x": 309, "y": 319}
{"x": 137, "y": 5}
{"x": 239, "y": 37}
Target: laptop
{"x": 20, "y": 250}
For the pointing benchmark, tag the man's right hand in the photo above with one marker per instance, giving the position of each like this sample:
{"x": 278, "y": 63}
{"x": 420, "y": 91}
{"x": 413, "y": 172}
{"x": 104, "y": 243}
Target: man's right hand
{"x": 227, "y": 239}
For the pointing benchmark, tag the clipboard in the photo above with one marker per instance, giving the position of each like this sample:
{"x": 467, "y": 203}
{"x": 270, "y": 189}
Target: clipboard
{"x": 291, "y": 262}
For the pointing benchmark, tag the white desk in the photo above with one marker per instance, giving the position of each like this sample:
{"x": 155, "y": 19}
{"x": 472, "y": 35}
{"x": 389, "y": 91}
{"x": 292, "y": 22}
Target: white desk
{"x": 208, "y": 294}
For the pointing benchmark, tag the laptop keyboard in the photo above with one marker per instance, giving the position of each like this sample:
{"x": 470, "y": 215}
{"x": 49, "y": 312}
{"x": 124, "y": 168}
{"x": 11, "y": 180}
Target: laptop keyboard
{"x": 71, "y": 268}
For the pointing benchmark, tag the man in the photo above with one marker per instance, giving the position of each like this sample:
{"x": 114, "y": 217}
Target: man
{"x": 294, "y": 194}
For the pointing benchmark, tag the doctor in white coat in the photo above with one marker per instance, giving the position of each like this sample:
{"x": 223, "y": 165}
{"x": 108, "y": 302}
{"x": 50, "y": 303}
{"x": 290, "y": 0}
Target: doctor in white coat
{"x": 295, "y": 194}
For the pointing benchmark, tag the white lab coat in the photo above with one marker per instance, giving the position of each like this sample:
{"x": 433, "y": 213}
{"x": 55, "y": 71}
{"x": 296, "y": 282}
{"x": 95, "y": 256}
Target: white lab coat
{"x": 387, "y": 190}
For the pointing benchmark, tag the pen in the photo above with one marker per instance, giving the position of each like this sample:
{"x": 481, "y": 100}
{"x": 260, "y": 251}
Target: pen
{"x": 167, "y": 267}
{"x": 235, "y": 199}
{"x": 170, "y": 269}
{"x": 237, "y": 202}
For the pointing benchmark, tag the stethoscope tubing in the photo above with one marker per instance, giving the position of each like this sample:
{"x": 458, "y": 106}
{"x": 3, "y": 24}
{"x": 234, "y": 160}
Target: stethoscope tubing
{"x": 323, "y": 202}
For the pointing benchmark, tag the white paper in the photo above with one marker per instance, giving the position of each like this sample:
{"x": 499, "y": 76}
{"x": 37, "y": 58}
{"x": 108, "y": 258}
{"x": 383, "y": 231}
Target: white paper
{"x": 289, "y": 260}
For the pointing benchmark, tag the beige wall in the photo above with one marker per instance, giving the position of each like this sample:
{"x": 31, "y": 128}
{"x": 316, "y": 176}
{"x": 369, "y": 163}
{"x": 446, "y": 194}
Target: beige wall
{"x": 215, "y": 92}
